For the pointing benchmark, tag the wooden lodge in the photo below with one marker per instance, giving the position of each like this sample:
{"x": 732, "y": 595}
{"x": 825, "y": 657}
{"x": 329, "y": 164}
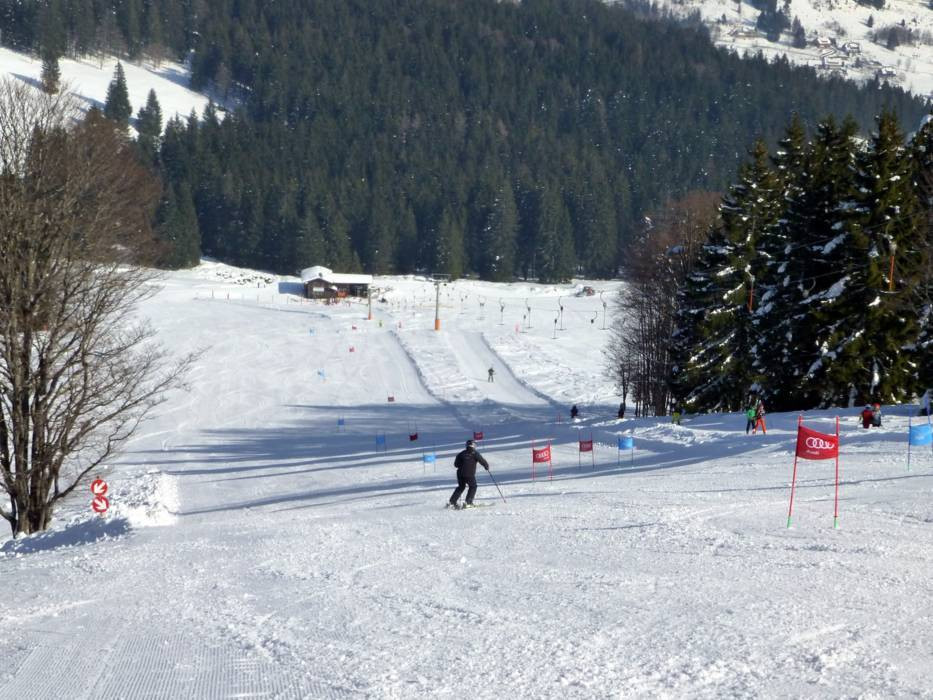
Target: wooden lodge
{"x": 322, "y": 283}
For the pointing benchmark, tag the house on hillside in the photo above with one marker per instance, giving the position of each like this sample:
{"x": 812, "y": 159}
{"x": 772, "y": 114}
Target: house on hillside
{"x": 744, "y": 33}
{"x": 322, "y": 283}
{"x": 834, "y": 62}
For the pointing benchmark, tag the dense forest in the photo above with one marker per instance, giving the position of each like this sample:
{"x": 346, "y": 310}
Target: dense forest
{"x": 469, "y": 137}
{"x": 815, "y": 287}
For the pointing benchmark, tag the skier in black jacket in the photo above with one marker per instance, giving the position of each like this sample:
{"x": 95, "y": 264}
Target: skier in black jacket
{"x": 465, "y": 462}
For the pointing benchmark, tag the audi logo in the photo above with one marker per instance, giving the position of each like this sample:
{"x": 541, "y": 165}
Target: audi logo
{"x": 816, "y": 443}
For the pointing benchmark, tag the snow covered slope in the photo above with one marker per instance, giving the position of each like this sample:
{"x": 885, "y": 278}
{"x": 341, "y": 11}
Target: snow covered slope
{"x": 258, "y": 548}
{"x": 829, "y": 26}
{"x": 89, "y": 78}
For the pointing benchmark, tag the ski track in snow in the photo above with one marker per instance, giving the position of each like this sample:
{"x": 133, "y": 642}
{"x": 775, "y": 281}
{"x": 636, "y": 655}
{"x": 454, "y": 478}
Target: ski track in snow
{"x": 253, "y": 550}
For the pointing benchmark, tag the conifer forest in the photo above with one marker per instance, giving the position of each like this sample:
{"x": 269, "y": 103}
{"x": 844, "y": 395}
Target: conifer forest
{"x": 494, "y": 139}
{"x": 536, "y": 140}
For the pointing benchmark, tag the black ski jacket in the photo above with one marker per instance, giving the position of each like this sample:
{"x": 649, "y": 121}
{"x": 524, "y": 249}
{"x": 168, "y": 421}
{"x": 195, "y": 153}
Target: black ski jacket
{"x": 465, "y": 462}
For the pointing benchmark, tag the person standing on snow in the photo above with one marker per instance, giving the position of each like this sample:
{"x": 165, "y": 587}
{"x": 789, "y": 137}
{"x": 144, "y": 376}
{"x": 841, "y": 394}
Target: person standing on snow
{"x": 574, "y": 412}
{"x": 491, "y": 373}
{"x": 759, "y": 418}
{"x": 622, "y": 410}
{"x": 876, "y": 416}
{"x": 867, "y": 416}
{"x": 750, "y": 419}
{"x": 465, "y": 462}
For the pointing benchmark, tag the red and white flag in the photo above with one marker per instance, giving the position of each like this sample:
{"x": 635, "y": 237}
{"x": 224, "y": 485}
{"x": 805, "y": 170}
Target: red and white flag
{"x": 586, "y": 445}
{"x": 814, "y": 445}
{"x": 542, "y": 455}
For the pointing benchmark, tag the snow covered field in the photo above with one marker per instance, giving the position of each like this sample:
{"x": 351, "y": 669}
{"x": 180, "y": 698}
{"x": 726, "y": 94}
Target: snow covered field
{"x": 89, "y": 78}
{"x": 255, "y": 550}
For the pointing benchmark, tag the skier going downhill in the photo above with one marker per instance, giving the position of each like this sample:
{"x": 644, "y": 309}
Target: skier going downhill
{"x": 465, "y": 462}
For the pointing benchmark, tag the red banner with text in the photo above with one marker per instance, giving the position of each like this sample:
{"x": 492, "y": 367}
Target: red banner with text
{"x": 814, "y": 445}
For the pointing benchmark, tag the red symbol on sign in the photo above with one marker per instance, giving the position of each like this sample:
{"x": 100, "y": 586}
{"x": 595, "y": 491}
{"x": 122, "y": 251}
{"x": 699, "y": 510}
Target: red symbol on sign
{"x": 543, "y": 455}
{"x": 100, "y": 504}
{"x": 586, "y": 445}
{"x": 98, "y": 487}
{"x": 814, "y": 445}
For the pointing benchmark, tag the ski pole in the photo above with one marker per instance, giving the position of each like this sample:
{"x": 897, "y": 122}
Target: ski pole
{"x": 497, "y": 486}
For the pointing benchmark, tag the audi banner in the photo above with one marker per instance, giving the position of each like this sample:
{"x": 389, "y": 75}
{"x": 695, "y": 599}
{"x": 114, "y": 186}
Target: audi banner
{"x": 814, "y": 445}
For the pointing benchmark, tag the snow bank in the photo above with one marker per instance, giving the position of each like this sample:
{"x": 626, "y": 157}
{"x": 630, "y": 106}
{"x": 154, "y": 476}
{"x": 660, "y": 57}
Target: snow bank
{"x": 151, "y": 499}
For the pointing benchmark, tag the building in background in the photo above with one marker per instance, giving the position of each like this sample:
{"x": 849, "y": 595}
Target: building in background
{"x": 322, "y": 283}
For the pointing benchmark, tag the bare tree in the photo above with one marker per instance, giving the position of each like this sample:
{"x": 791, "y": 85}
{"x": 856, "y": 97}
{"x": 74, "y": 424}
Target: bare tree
{"x": 77, "y": 373}
{"x": 656, "y": 265}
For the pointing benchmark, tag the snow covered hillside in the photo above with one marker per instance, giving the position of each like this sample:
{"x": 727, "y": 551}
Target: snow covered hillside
{"x": 89, "y": 78}
{"x": 274, "y": 532}
{"x": 838, "y": 36}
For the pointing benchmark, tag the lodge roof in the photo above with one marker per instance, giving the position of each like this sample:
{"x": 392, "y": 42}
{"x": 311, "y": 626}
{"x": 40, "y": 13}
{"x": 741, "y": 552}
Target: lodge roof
{"x": 310, "y": 274}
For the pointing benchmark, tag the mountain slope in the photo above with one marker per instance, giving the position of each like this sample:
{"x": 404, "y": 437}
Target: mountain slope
{"x": 89, "y": 78}
{"x": 298, "y": 561}
{"x": 830, "y": 25}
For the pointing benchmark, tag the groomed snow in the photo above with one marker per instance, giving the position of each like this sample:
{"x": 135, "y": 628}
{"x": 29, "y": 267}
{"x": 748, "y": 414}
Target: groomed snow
{"x": 255, "y": 550}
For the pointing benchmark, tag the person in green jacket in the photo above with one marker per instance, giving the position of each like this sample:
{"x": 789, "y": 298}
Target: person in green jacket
{"x": 750, "y": 415}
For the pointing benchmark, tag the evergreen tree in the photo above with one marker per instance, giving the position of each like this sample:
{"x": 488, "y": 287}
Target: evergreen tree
{"x": 921, "y": 150}
{"x": 149, "y": 127}
{"x": 51, "y": 75}
{"x": 152, "y": 29}
{"x": 776, "y": 313}
{"x": 497, "y": 256}
{"x": 380, "y": 235}
{"x": 554, "y": 258}
{"x": 820, "y": 261}
{"x": 448, "y": 251}
{"x": 799, "y": 33}
{"x": 177, "y": 228}
{"x": 129, "y": 16}
{"x": 52, "y": 34}
{"x": 309, "y": 246}
{"x": 407, "y": 252}
{"x": 337, "y": 235}
{"x": 595, "y": 221}
{"x": 117, "y": 106}
{"x": 718, "y": 372}
{"x": 873, "y": 321}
